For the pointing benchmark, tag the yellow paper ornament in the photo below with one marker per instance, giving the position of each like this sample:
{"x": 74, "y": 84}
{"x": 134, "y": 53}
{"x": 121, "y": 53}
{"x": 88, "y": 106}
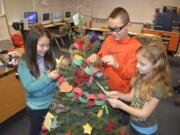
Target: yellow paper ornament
{"x": 100, "y": 113}
{"x": 60, "y": 62}
{"x": 87, "y": 129}
{"x": 78, "y": 57}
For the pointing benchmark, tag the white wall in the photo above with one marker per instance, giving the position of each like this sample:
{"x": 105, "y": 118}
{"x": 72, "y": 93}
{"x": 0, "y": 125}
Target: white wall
{"x": 14, "y": 9}
{"x": 47, "y": 6}
{"x": 1, "y": 8}
{"x": 139, "y": 10}
{"x": 62, "y": 6}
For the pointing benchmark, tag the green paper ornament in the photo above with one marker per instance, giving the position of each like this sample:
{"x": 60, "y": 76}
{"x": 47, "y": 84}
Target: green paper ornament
{"x": 70, "y": 94}
{"x": 89, "y": 70}
{"x": 99, "y": 75}
{"x": 77, "y": 62}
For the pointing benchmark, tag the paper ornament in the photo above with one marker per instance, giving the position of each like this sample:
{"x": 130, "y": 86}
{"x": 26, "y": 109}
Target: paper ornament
{"x": 87, "y": 129}
{"x": 65, "y": 87}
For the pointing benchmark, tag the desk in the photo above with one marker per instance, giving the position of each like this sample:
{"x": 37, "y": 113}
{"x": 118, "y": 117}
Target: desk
{"x": 97, "y": 29}
{"x": 51, "y": 25}
{"x": 103, "y": 32}
{"x": 12, "y": 94}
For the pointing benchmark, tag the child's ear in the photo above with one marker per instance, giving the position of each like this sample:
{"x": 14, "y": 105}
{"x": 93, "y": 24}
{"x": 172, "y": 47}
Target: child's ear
{"x": 129, "y": 25}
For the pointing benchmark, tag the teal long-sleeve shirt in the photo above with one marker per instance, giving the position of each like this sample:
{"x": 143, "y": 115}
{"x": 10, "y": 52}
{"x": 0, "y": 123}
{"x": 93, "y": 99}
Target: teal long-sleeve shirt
{"x": 38, "y": 90}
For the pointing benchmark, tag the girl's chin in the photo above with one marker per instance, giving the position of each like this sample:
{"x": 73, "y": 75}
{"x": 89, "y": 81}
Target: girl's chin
{"x": 142, "y": 73}
{"x": 41, "y": 54}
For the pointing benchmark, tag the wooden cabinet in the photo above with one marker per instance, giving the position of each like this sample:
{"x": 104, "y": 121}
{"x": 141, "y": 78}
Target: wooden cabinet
{"x": 12, "y": 94}
{"x": 170, "y": 39}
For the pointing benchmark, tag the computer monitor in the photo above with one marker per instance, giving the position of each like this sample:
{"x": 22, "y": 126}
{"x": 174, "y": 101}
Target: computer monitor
{"x": 57, "y": 17}
{"x": 31, "y": 17}
{"x": 45, "y": 19}
{"x": 67, "y": 15}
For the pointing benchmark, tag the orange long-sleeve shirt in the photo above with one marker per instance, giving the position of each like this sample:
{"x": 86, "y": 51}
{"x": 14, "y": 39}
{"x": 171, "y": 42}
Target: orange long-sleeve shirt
{"x": 124, "y": 52}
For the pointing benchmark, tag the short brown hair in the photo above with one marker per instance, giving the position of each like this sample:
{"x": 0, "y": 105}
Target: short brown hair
{"x": 120, "y": 12}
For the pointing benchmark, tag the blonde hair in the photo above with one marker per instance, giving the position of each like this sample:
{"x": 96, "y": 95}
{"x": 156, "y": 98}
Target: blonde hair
{"x": 154, "y": 51}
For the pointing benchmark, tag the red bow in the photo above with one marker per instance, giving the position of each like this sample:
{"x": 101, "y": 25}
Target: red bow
{"x": 81, "y": 77}
{"x": 78, "y": 44}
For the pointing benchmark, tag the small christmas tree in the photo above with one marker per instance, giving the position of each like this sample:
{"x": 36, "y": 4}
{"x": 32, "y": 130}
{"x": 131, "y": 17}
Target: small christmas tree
{"x": 80, "y": 105}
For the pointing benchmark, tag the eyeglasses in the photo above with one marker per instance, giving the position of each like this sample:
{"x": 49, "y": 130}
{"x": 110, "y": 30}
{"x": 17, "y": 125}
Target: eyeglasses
{"x": 117, "y": 29}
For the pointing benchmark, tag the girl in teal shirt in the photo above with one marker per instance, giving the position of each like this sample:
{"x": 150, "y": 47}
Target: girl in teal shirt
{"x": 37, "y": 73}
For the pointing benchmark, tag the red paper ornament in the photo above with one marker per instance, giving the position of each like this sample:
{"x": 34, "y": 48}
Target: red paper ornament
{"x": 77, "y": 93}
{"x": 68, "y": 133}
{"x": 78, "y": 44}
{"x": 81, "y": 78}
{"x": 44, "y": 129}
{"x": 60, "y": 79}
{"x": 101, "y": 96}
{"x": 110, "y": 126}
{"x": 96, "y": 69}
{"x": 91, "y": 99}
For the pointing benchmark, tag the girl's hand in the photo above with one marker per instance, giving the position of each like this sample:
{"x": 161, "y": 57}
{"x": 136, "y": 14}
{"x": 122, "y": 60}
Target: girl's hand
{"x": 109, "y": 60}
{"x": 92, "y": 58}
{"x": 113, "y": 94}
{"x": 53, "y": 74}
{"x": 115, "y": 103}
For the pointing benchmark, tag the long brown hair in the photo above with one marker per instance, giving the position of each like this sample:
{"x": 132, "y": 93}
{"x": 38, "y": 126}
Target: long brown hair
{"x": 154, "y": 51}
{"x": 30, "y": 55}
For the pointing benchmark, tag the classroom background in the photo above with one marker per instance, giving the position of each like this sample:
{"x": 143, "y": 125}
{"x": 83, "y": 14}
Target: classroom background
{"x": 152, "y": 17}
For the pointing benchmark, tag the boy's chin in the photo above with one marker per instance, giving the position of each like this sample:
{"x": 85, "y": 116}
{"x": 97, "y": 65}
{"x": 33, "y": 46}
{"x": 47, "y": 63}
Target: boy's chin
{"x": 117, "y": 37}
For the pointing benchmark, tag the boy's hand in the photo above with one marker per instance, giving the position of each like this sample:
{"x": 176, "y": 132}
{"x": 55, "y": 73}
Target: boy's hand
{"x": 113, "y": 94}
{"x": 53, "y": 74}
{"x": 109, "y": 60}
{"x": 92, "y": 58}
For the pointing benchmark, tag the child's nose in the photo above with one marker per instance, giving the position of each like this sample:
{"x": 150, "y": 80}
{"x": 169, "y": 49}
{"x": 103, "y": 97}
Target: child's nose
{"x": 46, "y": 48}
{"x": 137, "y": 65}
{"x": 114, "y": 32}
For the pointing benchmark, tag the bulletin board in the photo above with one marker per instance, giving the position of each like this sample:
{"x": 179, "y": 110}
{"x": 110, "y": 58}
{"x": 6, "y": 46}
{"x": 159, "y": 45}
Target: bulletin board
{"x": 4, "y": 32}
{"x": 5, "y": 40}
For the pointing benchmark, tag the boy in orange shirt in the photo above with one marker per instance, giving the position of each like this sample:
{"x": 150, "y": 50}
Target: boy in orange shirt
{"x": 118, "y": 53}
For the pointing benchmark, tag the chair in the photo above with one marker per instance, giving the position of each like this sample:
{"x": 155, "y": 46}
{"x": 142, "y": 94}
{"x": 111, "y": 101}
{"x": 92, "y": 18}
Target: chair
{"x": 63, "y": 31}
{"x": 136, "y": 28}
{"x": 17, "y": 40}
